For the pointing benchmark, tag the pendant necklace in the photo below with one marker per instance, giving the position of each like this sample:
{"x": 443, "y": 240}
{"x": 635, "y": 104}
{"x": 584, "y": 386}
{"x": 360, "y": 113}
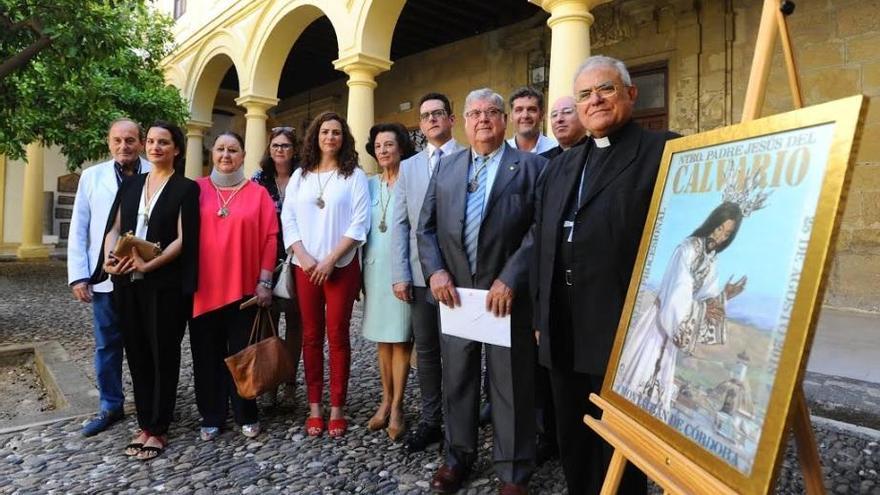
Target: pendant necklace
{"x": 148, "y": 199}
{"x": 385, "y": 202}
{"x": 474, "y": 184}
{"x": 223, "y": 211}
{"x": 320, "y": 201}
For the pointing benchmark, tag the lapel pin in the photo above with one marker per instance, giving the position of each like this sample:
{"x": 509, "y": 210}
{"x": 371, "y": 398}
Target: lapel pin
{"x": 512, "y": 167}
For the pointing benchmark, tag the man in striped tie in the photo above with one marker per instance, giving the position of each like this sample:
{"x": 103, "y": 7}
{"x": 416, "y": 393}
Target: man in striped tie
{"x": 474, "y": 232}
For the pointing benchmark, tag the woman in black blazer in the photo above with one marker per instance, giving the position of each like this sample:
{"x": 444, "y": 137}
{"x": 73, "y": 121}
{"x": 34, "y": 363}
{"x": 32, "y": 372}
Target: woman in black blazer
{"x": 154, "y": 298}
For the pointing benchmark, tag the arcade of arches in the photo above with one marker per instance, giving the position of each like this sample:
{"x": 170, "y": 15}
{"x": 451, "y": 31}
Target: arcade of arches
{"x": 249, "y": 66}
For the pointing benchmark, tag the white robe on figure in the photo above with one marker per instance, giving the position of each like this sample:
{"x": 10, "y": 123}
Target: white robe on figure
{"x": 676, "y": 320}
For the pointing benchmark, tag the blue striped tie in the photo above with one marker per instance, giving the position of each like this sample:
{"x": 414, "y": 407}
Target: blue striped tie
{"x": 474, "y": 214}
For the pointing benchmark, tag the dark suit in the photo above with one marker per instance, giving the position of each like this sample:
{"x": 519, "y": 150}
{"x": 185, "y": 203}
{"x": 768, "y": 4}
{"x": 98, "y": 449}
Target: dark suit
{"x": 578, "y": 317}
{"x": 503, "y": 252}
{"x": 153, "y": 311}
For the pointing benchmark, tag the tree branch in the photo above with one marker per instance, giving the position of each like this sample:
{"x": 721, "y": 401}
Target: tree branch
{"x": 23, "y": 57}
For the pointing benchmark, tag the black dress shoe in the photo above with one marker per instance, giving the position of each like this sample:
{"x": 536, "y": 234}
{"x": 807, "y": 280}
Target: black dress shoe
{"x": 418, "y": 440}
{"x": 448, "y": 479}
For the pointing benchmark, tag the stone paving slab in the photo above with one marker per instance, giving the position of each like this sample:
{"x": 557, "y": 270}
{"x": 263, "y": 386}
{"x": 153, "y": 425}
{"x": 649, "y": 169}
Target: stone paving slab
{"x": 55, "y": 458}
{"x": 66, "y": 385}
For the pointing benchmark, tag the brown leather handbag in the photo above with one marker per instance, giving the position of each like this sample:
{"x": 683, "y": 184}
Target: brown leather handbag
{"x": 263, "y": 364}
{"x": 147, "y": 250}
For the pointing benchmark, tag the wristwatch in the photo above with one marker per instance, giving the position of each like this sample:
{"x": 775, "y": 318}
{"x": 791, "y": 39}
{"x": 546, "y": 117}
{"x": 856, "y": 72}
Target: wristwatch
{"x": 265, "y": 283}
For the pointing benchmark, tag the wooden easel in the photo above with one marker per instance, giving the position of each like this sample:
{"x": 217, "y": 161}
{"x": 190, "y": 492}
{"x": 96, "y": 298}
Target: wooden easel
{"x": 673, "y": 471}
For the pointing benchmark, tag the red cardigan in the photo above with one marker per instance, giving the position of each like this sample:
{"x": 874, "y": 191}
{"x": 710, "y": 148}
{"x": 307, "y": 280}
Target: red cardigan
{"x": 233, "y": 249}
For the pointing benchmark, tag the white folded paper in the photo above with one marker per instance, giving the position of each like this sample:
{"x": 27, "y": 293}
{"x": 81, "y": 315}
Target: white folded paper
{"x": 471, "y": 320}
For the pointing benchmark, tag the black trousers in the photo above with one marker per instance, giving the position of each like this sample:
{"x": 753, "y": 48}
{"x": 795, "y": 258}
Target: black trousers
{"x": 153, "y": 322}
{"x": 426, "y": 335}
{"x": 511, "y": 388}
{"x": 214, "y": 336}
{"x": 583, "y": 453}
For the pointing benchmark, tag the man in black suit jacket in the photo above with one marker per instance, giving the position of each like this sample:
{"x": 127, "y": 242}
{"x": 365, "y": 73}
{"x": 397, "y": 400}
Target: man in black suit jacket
{"x": 589, "y": 218}
{"x": 473, "y": 232}
{"x": 566, "y": 126}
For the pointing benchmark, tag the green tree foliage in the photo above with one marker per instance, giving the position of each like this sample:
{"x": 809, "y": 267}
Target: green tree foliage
{"x": 69, "y": 67}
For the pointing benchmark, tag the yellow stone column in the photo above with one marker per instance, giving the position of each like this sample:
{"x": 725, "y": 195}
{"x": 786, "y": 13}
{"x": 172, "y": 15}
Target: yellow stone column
{"x": 569, "y": 22}
{"x": 32, "y": 206}
{"x": 195, "y": 134}
{"x": 255, "y": 129}
{"x": 361, "y": 70}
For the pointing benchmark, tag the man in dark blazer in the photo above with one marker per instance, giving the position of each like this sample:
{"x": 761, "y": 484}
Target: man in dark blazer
{"x": 589, "y": 217}
{"x": 473, "y": 232}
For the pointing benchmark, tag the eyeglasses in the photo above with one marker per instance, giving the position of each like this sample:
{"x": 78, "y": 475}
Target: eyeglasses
{"x": 281, "y": 146}
{"x": 491, "y": 113}
{"x": 282, "y": 129}
{"x": 605, "y": 90}
{"x": 565, "y": 112}
{"x": 437, "y": 114}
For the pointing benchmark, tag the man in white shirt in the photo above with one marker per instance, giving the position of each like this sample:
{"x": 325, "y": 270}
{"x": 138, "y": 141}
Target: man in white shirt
{"x": 435, "y": 121}
{"x": 526, "y": 113}
{"x": 91, "y": 207}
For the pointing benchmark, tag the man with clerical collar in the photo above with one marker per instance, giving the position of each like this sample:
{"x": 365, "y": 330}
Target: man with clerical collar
{"x": 526, "y": 113}
{"x": 474, "y": 233}
{"x": 590, "y": 212}
{"x": 91, "y": 207}
{"x": 566, "y": 126}
{"x": 435, "y": 121}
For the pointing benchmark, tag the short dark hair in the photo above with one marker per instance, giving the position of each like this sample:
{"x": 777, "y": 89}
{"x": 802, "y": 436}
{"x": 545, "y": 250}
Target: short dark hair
{"x": 311, "y": 151}
{"x": 179, "y": 140}
{"x": 527, "y": 91}
{"x": 404, "y": 143}
{"x": 722, "y": 213}
{"x": 231, "y": 134}
{"x": 436, "y": 96}
{"x": 140, "y": 128}
{"x": 267, "y": 165}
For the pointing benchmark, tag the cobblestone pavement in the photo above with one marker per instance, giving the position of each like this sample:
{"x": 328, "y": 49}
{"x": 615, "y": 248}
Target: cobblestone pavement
{"x": 35, "y": 304}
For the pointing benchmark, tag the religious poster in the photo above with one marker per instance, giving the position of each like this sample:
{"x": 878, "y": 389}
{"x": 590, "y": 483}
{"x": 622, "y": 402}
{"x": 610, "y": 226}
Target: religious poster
{"x": 729, "y": 268}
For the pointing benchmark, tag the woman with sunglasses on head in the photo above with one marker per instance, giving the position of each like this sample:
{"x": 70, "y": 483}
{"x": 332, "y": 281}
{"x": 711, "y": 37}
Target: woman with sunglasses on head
{"x": 237, "y": 251}
{"x": 386, "y": 318}
{"x": 325, "y": 219}
{"x": 154, "y": 298}
{"x": 276, "y": 167}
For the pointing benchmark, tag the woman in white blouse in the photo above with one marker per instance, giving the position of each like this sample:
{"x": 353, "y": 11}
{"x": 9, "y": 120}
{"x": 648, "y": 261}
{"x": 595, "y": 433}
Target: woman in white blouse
{"x": 325, "y": 217}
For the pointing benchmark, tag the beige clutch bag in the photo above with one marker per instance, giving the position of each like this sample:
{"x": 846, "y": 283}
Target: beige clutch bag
{"x": 146, "y": 250}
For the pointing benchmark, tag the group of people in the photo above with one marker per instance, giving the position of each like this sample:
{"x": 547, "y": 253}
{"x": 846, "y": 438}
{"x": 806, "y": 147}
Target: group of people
{"x": 552, "y": 242}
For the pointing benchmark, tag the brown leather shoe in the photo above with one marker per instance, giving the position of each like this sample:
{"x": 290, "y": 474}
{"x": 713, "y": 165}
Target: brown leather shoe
{"x": 448, "y": 479}
{"x": 513, "y": 489}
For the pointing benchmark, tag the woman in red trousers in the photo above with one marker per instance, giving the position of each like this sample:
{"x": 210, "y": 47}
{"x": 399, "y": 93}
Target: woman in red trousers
{"x": 325, "y": 219}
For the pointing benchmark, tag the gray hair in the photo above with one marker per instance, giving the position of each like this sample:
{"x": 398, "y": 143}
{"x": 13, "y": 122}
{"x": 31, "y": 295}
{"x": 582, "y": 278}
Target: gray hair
{"x": 603, "y": 61}
{"x": 484, "y": 94}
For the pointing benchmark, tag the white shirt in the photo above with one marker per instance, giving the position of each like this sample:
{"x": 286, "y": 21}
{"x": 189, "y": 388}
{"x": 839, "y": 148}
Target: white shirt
{"x": 447, "y": 148}
{"x": 345, "y": 213}
{"x": 145, "y": 209}
{"x": 544, "y": 143}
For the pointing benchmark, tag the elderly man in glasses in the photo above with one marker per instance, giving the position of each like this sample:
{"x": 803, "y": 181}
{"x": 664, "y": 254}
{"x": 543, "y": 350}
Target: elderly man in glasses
{"x": 591, "y": 209}
{"x": 474, "y": 232}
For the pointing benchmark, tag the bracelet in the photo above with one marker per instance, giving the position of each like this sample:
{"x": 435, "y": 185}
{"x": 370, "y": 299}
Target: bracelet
{"x": 265, "y": 283}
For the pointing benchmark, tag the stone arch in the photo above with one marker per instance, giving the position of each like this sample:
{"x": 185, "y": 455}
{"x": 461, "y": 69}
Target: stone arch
{"x": 375, "y": 26}
{"x": 277, "y": 31}
{"x": 212, "y": 62}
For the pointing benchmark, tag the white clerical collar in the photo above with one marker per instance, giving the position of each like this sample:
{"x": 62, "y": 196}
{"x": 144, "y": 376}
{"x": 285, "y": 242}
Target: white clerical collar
{"x": 602, "y": 142}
